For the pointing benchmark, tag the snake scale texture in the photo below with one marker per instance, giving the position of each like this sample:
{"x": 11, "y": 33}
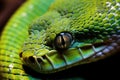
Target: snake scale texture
{"x": 49, "y": 36}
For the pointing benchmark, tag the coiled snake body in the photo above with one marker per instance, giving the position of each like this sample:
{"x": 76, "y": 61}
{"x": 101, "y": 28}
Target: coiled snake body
{"x": 70, "y": 33}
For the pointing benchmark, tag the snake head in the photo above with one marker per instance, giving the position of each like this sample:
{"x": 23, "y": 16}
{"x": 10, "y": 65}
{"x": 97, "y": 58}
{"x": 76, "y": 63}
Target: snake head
{"x": 67, "y": 36}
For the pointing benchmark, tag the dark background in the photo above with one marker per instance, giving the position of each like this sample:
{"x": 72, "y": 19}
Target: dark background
{"x": 101, "y": 70}
{"x": 7, "y": 8}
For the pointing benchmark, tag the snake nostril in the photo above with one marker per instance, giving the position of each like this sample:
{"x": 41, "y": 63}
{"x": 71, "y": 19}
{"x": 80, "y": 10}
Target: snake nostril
{"x": 32, "y": 59}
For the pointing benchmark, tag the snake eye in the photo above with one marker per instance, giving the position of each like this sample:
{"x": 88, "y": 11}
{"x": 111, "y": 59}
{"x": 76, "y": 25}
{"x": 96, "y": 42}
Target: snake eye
{"x": 63, "y": 40}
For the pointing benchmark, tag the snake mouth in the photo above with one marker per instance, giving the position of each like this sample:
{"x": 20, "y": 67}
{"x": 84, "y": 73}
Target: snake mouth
{"x": 55, "y": 61}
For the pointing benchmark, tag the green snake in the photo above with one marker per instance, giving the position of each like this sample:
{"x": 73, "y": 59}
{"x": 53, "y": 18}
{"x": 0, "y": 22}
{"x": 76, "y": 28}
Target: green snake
{"x": 49, "y": 36}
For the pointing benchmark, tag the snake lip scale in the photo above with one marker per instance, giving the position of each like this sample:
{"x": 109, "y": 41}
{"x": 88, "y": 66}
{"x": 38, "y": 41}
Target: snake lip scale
{"x": 110, "y": 49}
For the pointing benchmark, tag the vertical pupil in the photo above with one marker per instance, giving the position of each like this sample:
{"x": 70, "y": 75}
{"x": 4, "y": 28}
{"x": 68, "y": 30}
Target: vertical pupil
{"x": 63, "y": 42}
